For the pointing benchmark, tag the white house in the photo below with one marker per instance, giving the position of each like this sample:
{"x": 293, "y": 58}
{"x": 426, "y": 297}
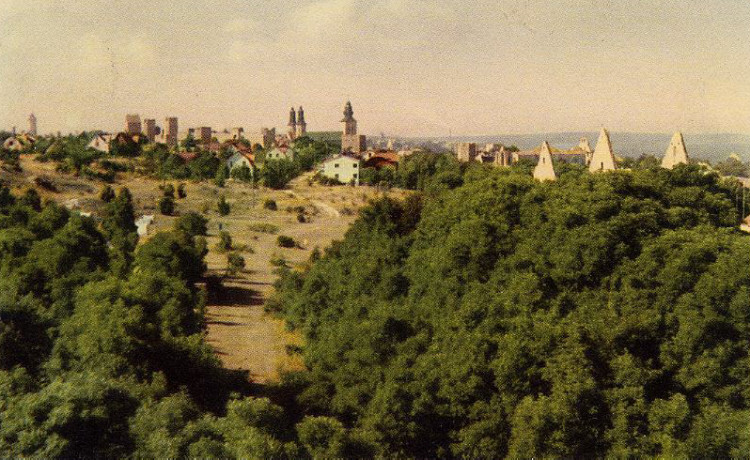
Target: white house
{"x": 100, "y": 142}
{"x": 279, "y": 153}
{"x": 238, "y": 159}
{"x": 344, "y": 168}
{"x": 18, "y": 142}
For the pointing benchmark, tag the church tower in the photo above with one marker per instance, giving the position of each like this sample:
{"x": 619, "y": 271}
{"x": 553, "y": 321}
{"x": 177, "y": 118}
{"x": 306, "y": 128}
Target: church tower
{"x": 350, "y": 140}
{"x": 292, "y": 124}
{"x": 301, "y": 125}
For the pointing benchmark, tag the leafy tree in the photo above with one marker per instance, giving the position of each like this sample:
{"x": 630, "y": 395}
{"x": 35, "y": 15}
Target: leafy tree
{"x": 235, "y": 263}
{"x": 192, "y": 223}
{"x": 225, "y": 241}
{"x": 107, "y": 194}
{"x": 181, "y": 191}
{"x": 166, "y": 205}
{"x": 276, "y": 174}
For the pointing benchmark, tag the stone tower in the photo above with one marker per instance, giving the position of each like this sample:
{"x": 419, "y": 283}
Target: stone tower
{"x": 676, "y": 152}
{"x": 544, "y": 169}
{"x": 170, "y": 133}
{"x": 132, "y": 124}
{"x": 32, "y": 125}
{"x": 602, "y": 159}
{"x": 150, "y": 129}
{"x": 292, "y": 124}
{"x": 301, "y": 125}
{"x": 350, "y": 140}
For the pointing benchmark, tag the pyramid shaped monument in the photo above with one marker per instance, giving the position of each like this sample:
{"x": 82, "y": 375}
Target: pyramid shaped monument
{"x": 602, "y": 159}
{"x": 676, "y": 152}
{"x": 544, "y": 169}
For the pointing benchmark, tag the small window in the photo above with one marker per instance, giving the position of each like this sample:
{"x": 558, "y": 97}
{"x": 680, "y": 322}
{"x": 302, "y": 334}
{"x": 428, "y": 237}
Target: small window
{"x": 336, "y": 165}
{"x": 355, "y": 165}
{"x": 354, "y": 175}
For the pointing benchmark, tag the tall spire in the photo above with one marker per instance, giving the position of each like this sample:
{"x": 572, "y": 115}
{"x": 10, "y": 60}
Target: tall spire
{"x": 348, "y": 112}
{"x": 676, "y": 152}
{"x": 603, "y": 159}
{"x": 544, "y": 169}
{"x": 301, "y": 115}
{"x": 292, "y": 118}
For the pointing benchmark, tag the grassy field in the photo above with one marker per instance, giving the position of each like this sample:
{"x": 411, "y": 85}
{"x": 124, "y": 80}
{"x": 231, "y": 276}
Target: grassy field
{"x": 243, "y": 335}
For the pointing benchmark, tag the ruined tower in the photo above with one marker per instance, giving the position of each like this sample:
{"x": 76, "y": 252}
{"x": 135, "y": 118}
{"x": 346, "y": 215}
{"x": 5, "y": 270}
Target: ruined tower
{"x": 133, "y": 124}
{"x": 544, "y": 169}
{"x": 292, "y": 124}
{"x": 170, "y": 131}
{"x": 150, "y": 129}
{"x": 676, "y": 152}
{"x": 301, "y": 125}
{"x": 32, "y": 125}
{"x": 602, "y": 159}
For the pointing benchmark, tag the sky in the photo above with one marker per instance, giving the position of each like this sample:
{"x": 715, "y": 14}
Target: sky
{"x": 410, "y": 68}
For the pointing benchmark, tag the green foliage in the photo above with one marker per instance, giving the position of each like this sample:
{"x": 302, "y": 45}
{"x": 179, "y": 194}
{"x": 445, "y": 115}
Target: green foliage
{"x": 242, "y": 173}
{"x": 270, "y": 204}
{"x": 732, "y": 167}
{"x": 598, "y": 316}
{"x": 235, "y": 263}
{"x": 222, "y": 206}
{"x": 277, "y": 173}
{"x": 181, "y": 192}
{"x": 107, "y": 194}
{"x": 263, "y": 227}
{"x": 192, "y": 224}
{"x": 167, "y": 190}
{"x": 166, "y": 205}
{"x": 221, "y": 176}
{"x": 284, "y": 241}
{"x": 225, "y": 242}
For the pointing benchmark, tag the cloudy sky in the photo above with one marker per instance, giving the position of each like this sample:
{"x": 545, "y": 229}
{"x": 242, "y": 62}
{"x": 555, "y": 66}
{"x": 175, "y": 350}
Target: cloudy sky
{"x": 410, "y": 67}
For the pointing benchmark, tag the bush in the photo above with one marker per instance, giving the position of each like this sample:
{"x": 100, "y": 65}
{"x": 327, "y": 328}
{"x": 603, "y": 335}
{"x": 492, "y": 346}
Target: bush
{"x": 192, "y": 223}
{"x": 181, "y": 192}
{"x": 263, "y": 227}
{"x": 222, "y": 206}
{"x": 221, "y": 176}
{"x": 166, "y": 205}
{"x": 168, "y": 190}
{"x": 235, "y": 263}
{"x": 107, "y": 194}
{"x": 225, "y": 241}
{"x": 301, "y": 218}
{"x": 270, "y": 205}
{"x": 284, "y": 241}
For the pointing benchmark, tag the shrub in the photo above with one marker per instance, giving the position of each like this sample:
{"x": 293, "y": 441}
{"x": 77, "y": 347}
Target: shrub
{"x": 221, "y": 176}
{"x": 222, "y": 206}
{"x": 168, "y": 190}
{"x": 270, "y": 205}
{"x": 181, "y": 192}
{"x": 284, "y": 241}
{"x": 235, "y": 263}
{"x": 107, "y": 194}
{"x": 301, "y": 218}
{"x": 166, "y": 206}
{"x": 263, "y": 227}
{"x": 192, "y": 223}
{"x": 225, "y": 241}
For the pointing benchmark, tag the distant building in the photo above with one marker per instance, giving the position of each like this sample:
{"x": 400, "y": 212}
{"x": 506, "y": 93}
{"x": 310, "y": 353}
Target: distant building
{"x": 239, "y": 159}
{"x": 19, "y": 142}
{"x": 266, "y": 138}
{"x": 100, "y": 142}
{"x": 32, "y": 125}
{"x": 282, "y": 152}
{"x": 205, "y": 135}
{"x": 133, "y": 124}
{"x": 603, "y": 159}
{"x": 350, "y": 140}
{"x": 150, "y": 129}
{"x": 379, "y": 160}
{"x": 676, "y": 152}
{"x": 292, "y": 125}
{"x": 170, "y": 131}
{"x": 301, "y": 125}
{"x": 344, "y": 168}
{"x": 466, "y": 151}
{"x": 238, "y": 133}
{"x": 544, "y": 169}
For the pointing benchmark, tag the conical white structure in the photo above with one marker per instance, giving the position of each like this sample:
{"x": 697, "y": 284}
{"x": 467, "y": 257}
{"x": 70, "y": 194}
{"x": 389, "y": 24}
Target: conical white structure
{"x": 544, "y": 169}
{"x": 603, "y": 159}
{"x": 676, "y": 152}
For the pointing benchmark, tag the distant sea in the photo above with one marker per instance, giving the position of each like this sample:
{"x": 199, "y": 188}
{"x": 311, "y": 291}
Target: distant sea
{"x": 712, "y": 147}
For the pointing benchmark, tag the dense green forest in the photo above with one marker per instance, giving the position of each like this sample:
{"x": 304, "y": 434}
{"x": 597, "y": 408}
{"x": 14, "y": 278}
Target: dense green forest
{"x": 485, "y": 316}
{"x": 598, "y": 315}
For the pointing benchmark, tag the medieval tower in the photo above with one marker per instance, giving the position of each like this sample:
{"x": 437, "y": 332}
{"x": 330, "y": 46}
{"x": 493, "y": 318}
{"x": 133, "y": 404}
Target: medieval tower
{"x": 676, "y": 152}
{"x": 292, "y": 124}
{"x": 170, "y": 131}
{"x": 301, "y": 125}
{"x": 150, "y": 125}
{"x": 350, "y": 140}
{"x": 32, "y": 125}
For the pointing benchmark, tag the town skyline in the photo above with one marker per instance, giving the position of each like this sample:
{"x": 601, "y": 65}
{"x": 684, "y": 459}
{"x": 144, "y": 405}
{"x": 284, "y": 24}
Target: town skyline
{"x": 411, "y": 69}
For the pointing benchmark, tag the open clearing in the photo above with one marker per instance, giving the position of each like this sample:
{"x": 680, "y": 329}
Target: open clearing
{"x": 243, "y": 335}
